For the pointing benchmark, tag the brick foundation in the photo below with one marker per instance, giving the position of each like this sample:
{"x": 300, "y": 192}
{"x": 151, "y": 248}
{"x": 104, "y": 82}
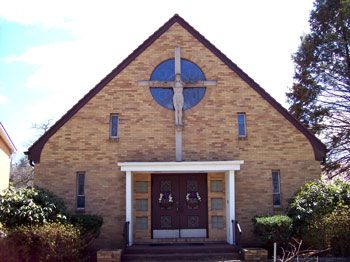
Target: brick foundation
{"x": 109, "y": 255}
{"x": 255, "y": 254}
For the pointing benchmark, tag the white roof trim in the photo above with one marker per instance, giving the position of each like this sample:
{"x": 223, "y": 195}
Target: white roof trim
{"x": 191, "y": 166}
{"x": 7, "y": 139}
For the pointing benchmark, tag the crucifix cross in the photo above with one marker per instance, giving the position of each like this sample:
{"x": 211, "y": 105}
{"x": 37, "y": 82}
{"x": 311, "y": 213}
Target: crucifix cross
{"x": 178, "y": 98}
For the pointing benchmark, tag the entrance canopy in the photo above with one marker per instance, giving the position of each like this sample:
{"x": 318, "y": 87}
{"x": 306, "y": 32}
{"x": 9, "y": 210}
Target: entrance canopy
{"x": 227, "y": 167}
{"x": 178, "y": 167}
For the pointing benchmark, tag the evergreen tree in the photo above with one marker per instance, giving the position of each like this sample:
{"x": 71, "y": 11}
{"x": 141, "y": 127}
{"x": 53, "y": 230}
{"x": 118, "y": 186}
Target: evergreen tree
{"x": 320, "y": 95}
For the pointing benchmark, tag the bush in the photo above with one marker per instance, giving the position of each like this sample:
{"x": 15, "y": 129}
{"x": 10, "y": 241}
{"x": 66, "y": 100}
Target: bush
{"x": 37, "y": 227}
{"x": 332, "y": 231}
{"x": 89, "y": 226}
{"x": 87, "y": 223}
{"x": 315, "y": 200}
{"x": 48, "y": 242}
{"x": 30, "y": 206}
{"x": 272, "y": 229}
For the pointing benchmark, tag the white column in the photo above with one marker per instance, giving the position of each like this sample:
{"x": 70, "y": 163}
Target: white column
{"x": 230, "y": 205}
{"x": 128, "y": 203}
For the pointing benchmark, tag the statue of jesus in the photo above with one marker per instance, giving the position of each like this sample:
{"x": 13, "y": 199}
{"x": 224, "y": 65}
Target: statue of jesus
{"x": 178, "y": 99}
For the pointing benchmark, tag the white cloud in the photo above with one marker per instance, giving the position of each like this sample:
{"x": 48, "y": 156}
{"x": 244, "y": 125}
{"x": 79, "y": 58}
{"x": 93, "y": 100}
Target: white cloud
{"x": 4, "y": 99}
{"x": 259, "y": 36}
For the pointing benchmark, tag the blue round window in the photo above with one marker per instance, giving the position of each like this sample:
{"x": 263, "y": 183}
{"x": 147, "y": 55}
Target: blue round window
{"x": 190, "y": 72}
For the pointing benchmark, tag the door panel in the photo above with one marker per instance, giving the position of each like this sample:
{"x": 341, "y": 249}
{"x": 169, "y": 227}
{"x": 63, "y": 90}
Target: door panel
{"x": 179, "y": 205}
{"x": 193, "y": 199}
{"x": 165, "y": 197}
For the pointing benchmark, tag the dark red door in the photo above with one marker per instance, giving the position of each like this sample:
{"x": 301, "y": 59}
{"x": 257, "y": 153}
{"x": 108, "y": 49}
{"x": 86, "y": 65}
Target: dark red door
{"x": 165, "y": 202}
{"x": 179, "y": 205}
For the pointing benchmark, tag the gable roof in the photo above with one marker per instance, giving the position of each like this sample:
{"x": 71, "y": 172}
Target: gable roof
{"x": 34, "y": 151}
{"x": 5, "y": 136}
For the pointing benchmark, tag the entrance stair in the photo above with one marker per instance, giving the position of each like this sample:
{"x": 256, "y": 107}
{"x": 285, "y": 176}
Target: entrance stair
{"x": 181, "y": 252}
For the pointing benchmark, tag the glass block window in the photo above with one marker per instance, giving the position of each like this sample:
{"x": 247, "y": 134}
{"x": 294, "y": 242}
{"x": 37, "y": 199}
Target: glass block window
{"x": 80, "y": 189}
{"x": 141, "y": 223}
{"x": 217, "y": 204}
{"x": 141, "y": 205}
{"x": 276, "y": 188}
{"x": 141, "y": 187}
{"x": 113, "y": 126}
{"x": 216, "y": 186}
{"x": 242, "y": 128}
{"x": 217, "y": 222}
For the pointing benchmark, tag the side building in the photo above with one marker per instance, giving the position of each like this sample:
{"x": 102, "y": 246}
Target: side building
{"x": 7, "y": 148}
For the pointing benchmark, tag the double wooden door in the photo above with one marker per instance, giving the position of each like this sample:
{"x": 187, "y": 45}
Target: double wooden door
{"x": 179, "y": 205}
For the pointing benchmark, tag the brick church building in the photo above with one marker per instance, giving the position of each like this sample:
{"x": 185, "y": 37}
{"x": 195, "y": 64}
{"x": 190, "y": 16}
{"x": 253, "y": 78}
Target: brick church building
{"x": 176, "y": 144}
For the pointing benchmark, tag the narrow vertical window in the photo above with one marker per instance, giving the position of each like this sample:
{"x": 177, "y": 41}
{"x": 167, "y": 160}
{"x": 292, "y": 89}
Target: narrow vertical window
{"x": 113, "y": 126}
{"x": 80, "y": 190}
{"x": 276, "y": 188}
{"x": 242, "y": 129}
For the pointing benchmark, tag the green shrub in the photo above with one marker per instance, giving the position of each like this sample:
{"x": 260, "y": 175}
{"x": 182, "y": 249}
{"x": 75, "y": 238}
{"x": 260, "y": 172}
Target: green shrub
{"x": 48, "y": 242}
{"x": 331, "y": 231}
{"x": 30, "y": 206}
{"x": 315, "y": 200}
{"x": 87, "y": 223}
{"x": 272, "y": 229}
{"x": 89, "y": 226}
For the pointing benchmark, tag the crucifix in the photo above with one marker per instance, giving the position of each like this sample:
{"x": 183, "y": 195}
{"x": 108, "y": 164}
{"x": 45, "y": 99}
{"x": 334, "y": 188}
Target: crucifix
{"x": 178, "y": 98}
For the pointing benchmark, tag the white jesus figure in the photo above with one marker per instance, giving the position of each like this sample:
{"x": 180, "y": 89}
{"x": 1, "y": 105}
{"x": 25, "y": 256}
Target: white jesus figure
{"x": 178, "y": 99}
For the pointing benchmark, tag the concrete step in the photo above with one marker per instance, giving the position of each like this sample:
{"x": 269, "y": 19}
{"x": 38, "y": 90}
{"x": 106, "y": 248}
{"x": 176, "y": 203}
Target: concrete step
{"x": 181, "y": 252}
{"x": 180, "y": 248}
{"x": 182, "y": 257}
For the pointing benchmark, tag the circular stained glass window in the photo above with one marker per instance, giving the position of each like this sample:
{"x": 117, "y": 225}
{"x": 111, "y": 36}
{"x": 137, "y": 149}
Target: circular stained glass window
{"x": 190, "y": 72}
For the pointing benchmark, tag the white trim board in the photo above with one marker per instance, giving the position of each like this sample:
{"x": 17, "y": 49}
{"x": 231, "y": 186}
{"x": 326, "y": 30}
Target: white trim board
{"x": 190, "y": 166}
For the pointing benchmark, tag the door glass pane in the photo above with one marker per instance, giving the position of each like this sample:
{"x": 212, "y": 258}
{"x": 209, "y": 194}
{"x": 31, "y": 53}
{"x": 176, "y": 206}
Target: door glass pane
{"x": 192, "y": 186}
{"x": 165, "y": 186}
{"x": 165, "y": 221}
{"x": 193, "y": 221}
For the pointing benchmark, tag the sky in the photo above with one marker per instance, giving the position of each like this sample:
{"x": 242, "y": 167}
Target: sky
{"x": 53, "y": 52}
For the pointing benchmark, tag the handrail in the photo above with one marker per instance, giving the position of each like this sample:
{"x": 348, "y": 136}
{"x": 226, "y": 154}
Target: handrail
{"x": 239, "y": 228}
{"x": 126, "y": 233}
{"x": 236, "y": 232}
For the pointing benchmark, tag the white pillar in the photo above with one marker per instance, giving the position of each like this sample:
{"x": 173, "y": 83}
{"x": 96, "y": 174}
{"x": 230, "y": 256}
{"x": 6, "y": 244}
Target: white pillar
{"x": 128, "y": 203}
{"x": 230, "y": 205}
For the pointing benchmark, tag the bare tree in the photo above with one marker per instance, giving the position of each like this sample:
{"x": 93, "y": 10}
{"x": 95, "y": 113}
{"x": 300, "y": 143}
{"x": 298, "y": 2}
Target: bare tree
{"x": 294, "y": 251}
{"x": 22, "y": 173}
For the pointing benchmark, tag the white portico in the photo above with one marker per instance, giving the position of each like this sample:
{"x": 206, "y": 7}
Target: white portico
{"x": 226, "y": 167}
